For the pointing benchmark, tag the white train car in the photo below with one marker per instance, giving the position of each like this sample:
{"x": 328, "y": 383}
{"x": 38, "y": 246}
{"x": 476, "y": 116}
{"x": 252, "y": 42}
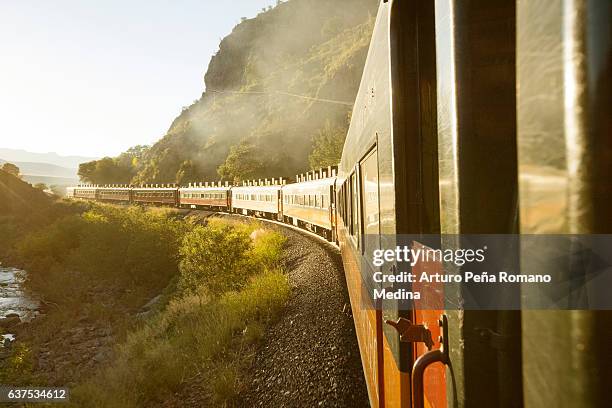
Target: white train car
{"x": 261, "y": 198}
{"x": 310, "y": 202}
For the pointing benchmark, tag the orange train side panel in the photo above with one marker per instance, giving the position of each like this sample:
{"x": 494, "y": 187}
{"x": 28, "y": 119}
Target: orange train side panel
{"x": 396, "y": 383}
{"x": 387, "y": 385}
{"x": 366, "y": 320}
{"x": 428, "y": 311}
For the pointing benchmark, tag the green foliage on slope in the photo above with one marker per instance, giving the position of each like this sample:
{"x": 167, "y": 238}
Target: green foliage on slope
{"x": 267, "y": 98}
{"x": 24, "y": 209}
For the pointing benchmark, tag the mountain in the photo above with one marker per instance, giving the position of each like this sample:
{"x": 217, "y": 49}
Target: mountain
{"x": 278, "y": 98}
{"x": 44, "y": 169}
{"x": 16, "y": 155}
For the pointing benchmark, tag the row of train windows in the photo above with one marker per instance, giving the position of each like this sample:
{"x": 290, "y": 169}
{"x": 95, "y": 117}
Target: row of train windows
{"x": 85, "y": 192}
{"x": 256, "y": 197}
{"x": 359, "y": 205}
{"x": 307, "y": 200}
{"x": 113, "y": 193}
{"x": 217, "y": 196}
{"x": 154, "y": 195}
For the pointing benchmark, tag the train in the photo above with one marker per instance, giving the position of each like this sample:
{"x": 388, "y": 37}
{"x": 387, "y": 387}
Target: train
{"x": 472, "y": 117}
{"x": 307, "y": 203}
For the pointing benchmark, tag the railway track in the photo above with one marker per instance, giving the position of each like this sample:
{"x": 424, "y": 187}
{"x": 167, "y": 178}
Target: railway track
{"x": 310, "y": 356}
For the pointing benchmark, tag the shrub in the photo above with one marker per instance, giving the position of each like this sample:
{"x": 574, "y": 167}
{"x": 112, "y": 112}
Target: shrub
{"x": 125, "y": 246}
{"x": 222, "y": 255}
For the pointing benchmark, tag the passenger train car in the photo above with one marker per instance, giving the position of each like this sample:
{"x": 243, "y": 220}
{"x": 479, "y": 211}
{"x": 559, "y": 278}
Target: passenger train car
{"x": 209, "y": 196}
{"x": 472, "y": 117}
{"x": 156, "y": 195}
{"x": 258, "y": 198}
{"x": 310, "y": 202}
{"x": 114, "y": 194}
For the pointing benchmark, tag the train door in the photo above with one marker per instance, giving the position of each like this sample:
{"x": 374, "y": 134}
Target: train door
{"x": 332, "y": 212}
{"x": 413, "y": 73}
{"x": 279, "y": 204}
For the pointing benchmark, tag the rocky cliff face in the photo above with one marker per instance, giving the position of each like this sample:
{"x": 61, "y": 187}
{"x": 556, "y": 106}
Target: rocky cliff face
{"x": 267, "y": 94}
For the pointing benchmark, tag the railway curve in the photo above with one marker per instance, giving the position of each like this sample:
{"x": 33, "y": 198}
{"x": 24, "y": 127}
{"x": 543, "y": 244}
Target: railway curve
{"x": 310, "y": 357}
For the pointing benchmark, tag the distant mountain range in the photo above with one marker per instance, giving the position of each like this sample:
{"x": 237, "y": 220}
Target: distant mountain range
{"x": 22, "y": 156}
{"x": 49, "y": 168}
{"x": 43, "y": 169}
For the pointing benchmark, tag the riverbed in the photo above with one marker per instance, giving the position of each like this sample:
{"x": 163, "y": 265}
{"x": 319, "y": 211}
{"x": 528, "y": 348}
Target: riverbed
{"x": 13, "y": 299}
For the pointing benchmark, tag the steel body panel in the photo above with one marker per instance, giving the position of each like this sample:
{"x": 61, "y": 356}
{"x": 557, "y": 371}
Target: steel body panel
{"x": 371, "y": 128}
{"x": 203, "y": 196}
{"x": 564, "y": 150}
{"x": 477, "y": 163}
{"x": 319, "y": 216}
{"x": 255, "y": 202}
{"x": 415, "y": 175}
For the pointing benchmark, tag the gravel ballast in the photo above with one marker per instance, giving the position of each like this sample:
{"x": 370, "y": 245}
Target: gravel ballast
{"x": 310, "y": 357}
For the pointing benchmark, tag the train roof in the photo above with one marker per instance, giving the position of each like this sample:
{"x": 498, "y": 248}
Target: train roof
{"x": 115, "y": 188}
{"x": 155, "y": 188}
{"x": 274, "y": 187}
{"x": 203, "y": 188}
{"x": 324, "y": 182}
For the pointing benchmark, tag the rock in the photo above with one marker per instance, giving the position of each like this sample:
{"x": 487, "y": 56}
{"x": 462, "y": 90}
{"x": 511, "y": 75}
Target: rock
{"x": 100, "y": 356}
{"x": 12, "y": 315}
{"x": 7, "y": 322}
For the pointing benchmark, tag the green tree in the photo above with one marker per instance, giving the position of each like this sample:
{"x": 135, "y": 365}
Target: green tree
{"x": 132, "y": 157}
{"x": 242, "y": 163}
{"x": 327, "y": 146}
{"x": 107, "y": 171}
{"x": 41, "y": 186}
{"x": 11, "y": 169}
{"x": 87, "y": 171}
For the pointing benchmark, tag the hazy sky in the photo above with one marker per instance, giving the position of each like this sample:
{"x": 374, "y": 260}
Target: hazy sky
{"x": 94, "y": 77}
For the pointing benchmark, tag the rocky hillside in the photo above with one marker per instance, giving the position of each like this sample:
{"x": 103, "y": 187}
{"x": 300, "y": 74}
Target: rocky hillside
{"x": 279, "y": 90}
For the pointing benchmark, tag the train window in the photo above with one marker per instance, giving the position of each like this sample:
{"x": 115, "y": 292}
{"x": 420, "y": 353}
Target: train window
{"x": 349, "y": 204}
{"x": 370, "y": 199}
{"x": 355, "y": 222}
{"x": 316, "y": 201}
